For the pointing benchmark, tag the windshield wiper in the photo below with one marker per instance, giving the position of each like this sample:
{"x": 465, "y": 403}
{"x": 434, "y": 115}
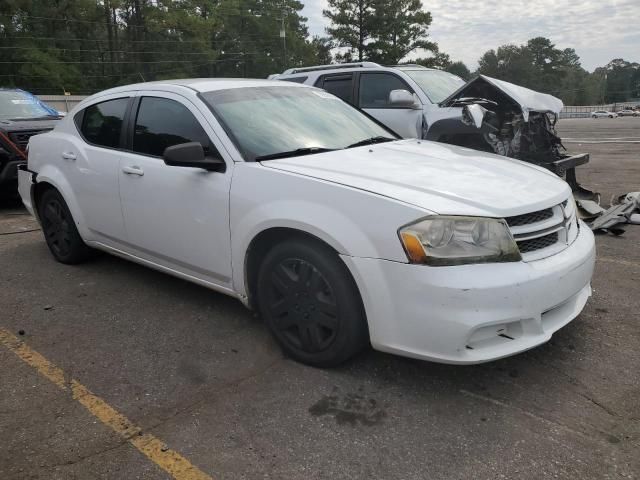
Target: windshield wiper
{"x": 294, "y": 153}
{"x": 371, "y": 141}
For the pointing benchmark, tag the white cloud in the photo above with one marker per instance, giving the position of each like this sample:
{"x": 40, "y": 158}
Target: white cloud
{"x": 599, "y": 30}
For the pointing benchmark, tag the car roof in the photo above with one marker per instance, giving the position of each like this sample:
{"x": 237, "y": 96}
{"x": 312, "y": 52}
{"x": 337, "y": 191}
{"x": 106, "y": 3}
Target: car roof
{"x": 198, "y": 84}
{"x": 348, "y": 67}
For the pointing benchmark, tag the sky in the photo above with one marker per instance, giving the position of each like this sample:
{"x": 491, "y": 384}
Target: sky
{"x": 599, "y": 30}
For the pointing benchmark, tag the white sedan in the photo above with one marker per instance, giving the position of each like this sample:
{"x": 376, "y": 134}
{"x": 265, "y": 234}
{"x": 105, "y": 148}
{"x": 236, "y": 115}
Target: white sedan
{"x": 603, "y": 113}
{"x": 337, "y": 232}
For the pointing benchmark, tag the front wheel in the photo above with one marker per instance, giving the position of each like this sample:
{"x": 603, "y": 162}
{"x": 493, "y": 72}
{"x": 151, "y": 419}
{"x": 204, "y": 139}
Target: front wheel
{"x": 594, "y": 116}
{"x": 311, "y": 304}
{"x": 60, "y": 230}
{"x": 610, "y": 116}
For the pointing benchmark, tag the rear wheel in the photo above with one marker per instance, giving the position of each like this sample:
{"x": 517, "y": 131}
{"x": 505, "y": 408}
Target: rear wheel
{"x": 311, "y": 304}
{"x": 594, "y": 116}
{"x": 60, "y": 230}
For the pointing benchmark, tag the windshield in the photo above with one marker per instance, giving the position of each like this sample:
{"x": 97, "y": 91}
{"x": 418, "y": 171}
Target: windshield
{"x": 436, "y": 84}
{"x": 267, "y": 121}
{"x": 15, "y": 104}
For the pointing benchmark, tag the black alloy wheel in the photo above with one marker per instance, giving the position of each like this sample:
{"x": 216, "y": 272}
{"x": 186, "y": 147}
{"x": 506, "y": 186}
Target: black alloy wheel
{"x": 311, "y": 304}
{"x": 59, "y": 229}
{"x": 302, "y": 305}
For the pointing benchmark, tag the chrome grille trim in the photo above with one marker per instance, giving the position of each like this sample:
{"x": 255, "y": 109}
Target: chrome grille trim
{"x": 548, "y": 231}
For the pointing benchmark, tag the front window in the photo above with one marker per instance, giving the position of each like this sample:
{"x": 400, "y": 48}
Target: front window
{"x": 436, "y": 84}
{"x": 375, "y": 89}
{"x": 18, "y": 105}
{"x": 162, "y": 123}
{"x": 267, "y": 121}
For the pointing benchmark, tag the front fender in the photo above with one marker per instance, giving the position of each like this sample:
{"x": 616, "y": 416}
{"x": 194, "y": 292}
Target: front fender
{"x": 353, "y": 222}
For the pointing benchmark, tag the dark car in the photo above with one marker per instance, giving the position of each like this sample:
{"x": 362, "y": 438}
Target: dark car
{"x": 22, "y": 115}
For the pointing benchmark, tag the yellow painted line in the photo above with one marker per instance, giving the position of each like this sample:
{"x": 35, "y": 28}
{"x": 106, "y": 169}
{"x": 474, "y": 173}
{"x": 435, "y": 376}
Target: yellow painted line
{"x": 153, "y": 448}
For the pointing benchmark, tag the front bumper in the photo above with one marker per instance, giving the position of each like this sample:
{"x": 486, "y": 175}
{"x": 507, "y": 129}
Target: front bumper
{"x": 473, "y": 313}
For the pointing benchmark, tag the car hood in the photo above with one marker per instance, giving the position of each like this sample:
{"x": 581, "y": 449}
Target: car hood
{"x": 436, "y": 177}
{"x": 27, "y": 124}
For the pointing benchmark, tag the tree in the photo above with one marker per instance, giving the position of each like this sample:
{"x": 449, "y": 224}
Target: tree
{"x": 352, "y": 25}
{"x": 400, "y": 28}
{"x": 383, "y": 31}
{"x": 438, "y": 60}
{"x": 83, "y": 46}
{"x": 459, "y": 69}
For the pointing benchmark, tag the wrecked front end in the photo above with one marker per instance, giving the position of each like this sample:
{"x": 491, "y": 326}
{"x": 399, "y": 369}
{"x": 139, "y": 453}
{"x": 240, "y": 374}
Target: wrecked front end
{"x": 506, "y": 119}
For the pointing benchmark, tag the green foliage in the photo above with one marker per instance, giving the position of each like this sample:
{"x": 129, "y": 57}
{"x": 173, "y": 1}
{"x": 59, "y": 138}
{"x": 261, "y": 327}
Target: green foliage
{"x": 383, "y": 31}
{"x": 541, "y": 66}
{"x": 459, "y": 69}
{"x": 83, "y": 46}
{"x": 439, "y": 60}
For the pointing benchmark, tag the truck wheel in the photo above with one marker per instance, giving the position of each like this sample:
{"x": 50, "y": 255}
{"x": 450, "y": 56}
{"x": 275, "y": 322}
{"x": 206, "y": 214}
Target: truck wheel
{"x": 60, "y": 230}
{"x": 311, "y": 304}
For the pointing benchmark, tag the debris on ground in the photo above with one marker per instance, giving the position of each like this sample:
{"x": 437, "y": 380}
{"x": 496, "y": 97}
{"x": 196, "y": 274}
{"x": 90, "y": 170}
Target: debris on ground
{"x": 625, "y": 210}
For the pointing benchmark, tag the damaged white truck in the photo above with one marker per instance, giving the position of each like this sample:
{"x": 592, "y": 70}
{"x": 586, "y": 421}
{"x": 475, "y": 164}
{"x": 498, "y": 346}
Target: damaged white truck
{"x": 485, "y": 114}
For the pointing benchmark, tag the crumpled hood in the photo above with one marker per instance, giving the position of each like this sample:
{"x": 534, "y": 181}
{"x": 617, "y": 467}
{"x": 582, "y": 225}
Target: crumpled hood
{"x": 440, "y": 178}
{"x": 528, "y": 100}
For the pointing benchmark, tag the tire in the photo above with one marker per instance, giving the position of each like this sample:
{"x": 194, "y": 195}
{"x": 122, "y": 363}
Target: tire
{"x": 610, "y": 116}
{"x": 311, "y": 304}
{"x": 60, "y": 230}
{"x": 594, "y": 116}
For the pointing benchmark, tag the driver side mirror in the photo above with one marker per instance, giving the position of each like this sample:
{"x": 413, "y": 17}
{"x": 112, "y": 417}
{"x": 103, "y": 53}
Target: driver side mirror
{"x": 403, "y": 99}
{"x": 191, "y": 154}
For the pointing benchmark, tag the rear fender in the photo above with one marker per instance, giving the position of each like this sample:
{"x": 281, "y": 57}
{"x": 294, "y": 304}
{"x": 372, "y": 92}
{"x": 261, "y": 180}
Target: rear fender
{"x": 52, "y": 175}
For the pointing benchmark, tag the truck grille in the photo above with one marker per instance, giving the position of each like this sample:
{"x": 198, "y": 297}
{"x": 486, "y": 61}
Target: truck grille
{"x": 21, "y": 139}
{"x": 544, "y": 232}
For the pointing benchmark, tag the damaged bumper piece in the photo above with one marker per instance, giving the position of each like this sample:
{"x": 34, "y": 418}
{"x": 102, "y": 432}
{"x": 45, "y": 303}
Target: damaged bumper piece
{"x": 512, "y": 121}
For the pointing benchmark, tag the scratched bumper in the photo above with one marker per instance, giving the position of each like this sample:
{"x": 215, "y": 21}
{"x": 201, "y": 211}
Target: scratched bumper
{"x": 473, "y": 313}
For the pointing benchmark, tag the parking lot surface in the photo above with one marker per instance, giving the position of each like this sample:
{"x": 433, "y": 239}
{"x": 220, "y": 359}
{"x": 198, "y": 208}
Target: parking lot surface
{"x": 199, "y": 373}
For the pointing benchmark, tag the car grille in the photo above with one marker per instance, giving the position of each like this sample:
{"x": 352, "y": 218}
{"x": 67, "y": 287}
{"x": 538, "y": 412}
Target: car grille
{"x": 528, "y": 218}
{"x": 534, "y": 244}
{"x": 544, "y": 232}
{"x": 21, "y": 139}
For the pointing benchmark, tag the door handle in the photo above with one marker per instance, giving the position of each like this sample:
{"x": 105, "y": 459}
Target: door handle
{"x": 68, "y": 155}
{"x": 133, "y": 171}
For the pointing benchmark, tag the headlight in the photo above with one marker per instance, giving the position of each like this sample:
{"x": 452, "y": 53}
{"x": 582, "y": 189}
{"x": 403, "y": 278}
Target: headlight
{"x": 445, "y": 240}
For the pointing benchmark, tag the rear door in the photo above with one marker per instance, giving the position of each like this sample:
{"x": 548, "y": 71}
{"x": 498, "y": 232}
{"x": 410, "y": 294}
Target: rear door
{"x": 373, "y": 97}
{"x": 91, "y": 163}
{"x": 177, "y": 217}
{"x": 341, "y": 85}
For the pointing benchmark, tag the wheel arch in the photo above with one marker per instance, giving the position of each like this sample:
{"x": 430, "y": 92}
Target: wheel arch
{"x": 50, "y": 177}
{"x": 263, "y": 242}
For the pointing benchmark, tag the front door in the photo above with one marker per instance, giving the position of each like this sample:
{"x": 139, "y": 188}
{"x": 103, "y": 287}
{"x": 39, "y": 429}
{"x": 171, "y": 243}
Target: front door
{"x": 175, "y": 216}
{"x": 373, "y": 97}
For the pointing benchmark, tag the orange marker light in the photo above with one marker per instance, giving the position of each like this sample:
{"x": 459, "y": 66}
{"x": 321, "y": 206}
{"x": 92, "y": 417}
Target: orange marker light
{"x": 414, "y": 249}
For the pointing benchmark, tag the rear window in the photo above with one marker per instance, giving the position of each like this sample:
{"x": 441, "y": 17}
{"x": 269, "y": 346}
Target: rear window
{"x": 340, "y": 86}
{"x": 102, "y": 123}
